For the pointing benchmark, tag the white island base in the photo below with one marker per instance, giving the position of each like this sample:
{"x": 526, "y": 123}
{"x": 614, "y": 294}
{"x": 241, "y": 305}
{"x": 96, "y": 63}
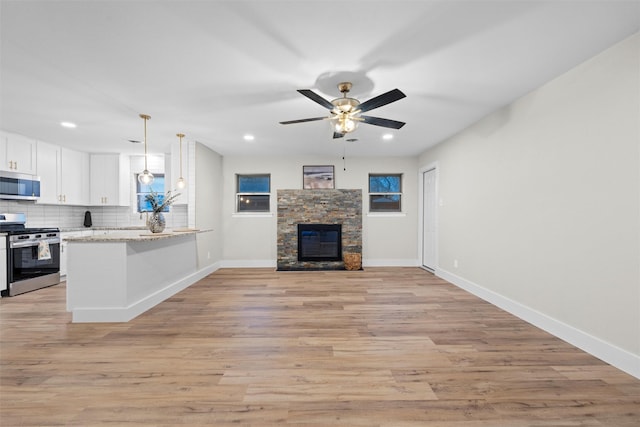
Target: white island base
{"x": 116, "y": 278}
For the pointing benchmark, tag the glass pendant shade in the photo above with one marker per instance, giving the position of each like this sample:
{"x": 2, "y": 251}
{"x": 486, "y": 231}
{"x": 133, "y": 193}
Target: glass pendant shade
{"x": 181, "y": 183}
{"x": 344, "y": 123}
{"x": 145, "y": 177}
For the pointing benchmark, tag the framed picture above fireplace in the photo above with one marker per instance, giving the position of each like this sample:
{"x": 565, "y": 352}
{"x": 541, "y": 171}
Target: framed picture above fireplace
{"x": 318, "y": 177}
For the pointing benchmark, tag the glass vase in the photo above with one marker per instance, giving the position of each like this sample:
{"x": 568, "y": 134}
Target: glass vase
{"x": 156, "y": 222}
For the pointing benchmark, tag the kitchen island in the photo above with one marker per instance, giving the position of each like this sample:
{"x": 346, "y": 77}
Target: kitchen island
{"x": 117, "y": 276}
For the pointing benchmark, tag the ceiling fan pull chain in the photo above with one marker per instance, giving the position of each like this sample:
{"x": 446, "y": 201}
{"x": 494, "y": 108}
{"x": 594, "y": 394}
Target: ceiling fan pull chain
{"x": 344, "y": 157}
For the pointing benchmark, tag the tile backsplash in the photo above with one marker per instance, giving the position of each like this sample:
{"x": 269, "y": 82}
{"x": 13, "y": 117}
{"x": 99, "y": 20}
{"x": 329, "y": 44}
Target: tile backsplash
{"x": 73, "y": 216}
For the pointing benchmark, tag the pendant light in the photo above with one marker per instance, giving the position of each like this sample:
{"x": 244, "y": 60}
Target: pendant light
{"x": 145, "y": 178}
{"x": 181, "y": 183}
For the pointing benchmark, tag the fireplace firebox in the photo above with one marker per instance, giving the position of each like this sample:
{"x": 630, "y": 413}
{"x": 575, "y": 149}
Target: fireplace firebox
{"x": 319, "y": 242}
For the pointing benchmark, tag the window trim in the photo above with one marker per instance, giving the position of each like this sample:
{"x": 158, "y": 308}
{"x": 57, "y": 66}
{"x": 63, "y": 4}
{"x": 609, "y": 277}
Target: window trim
{"x": 137, "y": 193}
{"x": 242, "y": 194}
{"x": 387, "y": 193}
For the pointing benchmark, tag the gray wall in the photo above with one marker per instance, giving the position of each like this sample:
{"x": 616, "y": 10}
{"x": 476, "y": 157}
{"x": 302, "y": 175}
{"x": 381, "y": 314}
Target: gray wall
{"x": 208, "y": 193}
{"x": 540, "y": 205}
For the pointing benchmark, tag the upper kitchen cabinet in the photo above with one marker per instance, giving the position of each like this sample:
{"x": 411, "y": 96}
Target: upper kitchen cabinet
{"x": 110, "y": 180}
{"x": 74, "y": 177}
{"x": 48, "y": 168}
{"x": 64, "y": 175}
{"x": 17, "y": 153}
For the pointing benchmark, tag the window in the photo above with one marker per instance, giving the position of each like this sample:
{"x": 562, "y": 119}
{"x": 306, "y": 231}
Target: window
{"x": 253, "y": 193}
{"x": 385, "y": 192}
{"x": 142, "y": 190}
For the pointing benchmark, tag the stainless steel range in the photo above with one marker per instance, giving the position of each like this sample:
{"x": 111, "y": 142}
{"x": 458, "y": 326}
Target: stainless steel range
{"x": 33, "y": 255}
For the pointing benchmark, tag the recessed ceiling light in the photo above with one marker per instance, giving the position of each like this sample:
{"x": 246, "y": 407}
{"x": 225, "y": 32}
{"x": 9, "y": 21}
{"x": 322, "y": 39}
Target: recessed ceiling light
{"x": 387, "y": 136}
{"x": 68, "y": 125}
{"x": 249, "y": 137}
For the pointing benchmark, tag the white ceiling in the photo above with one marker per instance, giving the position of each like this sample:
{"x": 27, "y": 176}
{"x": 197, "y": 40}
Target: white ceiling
{"x": 217, "y": 70}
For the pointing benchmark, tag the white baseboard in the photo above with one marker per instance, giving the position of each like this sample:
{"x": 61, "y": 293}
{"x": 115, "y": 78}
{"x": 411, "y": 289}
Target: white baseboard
{"x": 268, "y": 263}
{"x": 609, "y": 353}
{"x": 368, "y": 262}
{"x": 248, "y": 263}
{"x": 124, "y": 314}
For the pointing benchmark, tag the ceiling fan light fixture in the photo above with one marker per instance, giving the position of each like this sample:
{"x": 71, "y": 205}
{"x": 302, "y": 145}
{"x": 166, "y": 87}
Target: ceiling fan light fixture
{"x": 345, "y": 110}
{"x": 344, "y": 123}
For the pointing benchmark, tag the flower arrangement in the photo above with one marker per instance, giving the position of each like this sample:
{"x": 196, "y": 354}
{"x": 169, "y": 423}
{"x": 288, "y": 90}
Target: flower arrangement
{"x": 160, "y": 202}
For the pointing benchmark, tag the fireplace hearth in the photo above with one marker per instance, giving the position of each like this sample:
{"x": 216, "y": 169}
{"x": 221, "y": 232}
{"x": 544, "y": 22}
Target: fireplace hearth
{"x": 319, "y": 242}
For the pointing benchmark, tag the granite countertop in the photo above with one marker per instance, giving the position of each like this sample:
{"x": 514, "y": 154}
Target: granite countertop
{"x": 135, "y": 235}
{"x": 69, "y": 229}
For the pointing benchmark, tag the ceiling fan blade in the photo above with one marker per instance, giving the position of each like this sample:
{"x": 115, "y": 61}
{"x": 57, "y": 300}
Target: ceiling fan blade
{"x": 312, "y": 119}
{"x": 316, "y": 98}
{"x": 380, "y": 100}
{"x": 337, "y": 135}
{"x": 387, "y": 123}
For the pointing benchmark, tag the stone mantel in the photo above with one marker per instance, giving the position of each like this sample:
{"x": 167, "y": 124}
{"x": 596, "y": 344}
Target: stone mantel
{"x": 341, "y": 206}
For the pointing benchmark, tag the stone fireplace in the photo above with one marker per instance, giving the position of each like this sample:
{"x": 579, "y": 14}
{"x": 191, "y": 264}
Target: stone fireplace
{"x": 320, "y": 214}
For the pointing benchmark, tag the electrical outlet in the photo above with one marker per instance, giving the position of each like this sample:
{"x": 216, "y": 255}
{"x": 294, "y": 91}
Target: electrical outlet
{"x": 455, "y": 263}
{"x": 208, "y": 255}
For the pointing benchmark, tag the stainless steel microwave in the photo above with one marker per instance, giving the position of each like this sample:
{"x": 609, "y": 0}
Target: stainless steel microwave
{"x": 19, "y": 186}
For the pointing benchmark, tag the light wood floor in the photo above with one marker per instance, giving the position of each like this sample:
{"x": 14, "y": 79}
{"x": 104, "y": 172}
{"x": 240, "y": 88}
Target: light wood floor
{"x": 253, "y": 347}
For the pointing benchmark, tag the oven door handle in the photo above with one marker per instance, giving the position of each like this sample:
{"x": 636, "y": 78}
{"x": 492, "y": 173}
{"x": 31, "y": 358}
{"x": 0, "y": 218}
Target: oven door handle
{"x": 28, "y": 243}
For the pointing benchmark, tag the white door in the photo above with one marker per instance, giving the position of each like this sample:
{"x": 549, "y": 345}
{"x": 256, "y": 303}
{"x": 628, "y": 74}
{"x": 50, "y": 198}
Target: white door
{"x": 429, "y": 220}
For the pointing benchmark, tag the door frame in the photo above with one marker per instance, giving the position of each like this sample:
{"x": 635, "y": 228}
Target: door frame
{"x": 421, "y": 214}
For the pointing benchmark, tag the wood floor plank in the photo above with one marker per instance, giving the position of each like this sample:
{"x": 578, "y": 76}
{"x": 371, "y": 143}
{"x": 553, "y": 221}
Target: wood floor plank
{"x": 379, "y": 347}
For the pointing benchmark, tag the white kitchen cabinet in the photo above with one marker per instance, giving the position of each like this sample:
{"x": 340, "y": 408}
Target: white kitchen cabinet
{"x": 17, "y": 153}
{"x": 74, "y": 177}
{"x": 64, "y": 175}
{"x": 48, "y": 168}
{"x": 110, "y": 180}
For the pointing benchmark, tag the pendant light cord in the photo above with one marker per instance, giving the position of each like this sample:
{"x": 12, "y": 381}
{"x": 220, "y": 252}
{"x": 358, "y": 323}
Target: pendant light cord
{"x": 180, "y": 154}
{"x": 145, "y": 117}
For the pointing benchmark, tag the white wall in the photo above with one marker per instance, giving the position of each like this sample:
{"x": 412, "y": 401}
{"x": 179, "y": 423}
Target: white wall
{"x": 541, "y": 206}
{"x": 207, "y": 195}
{"x": 250, "y": 240}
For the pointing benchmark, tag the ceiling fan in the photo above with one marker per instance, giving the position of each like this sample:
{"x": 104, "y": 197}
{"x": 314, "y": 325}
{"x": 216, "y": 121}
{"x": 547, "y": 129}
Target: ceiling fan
{"x": 346, "y": 113}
